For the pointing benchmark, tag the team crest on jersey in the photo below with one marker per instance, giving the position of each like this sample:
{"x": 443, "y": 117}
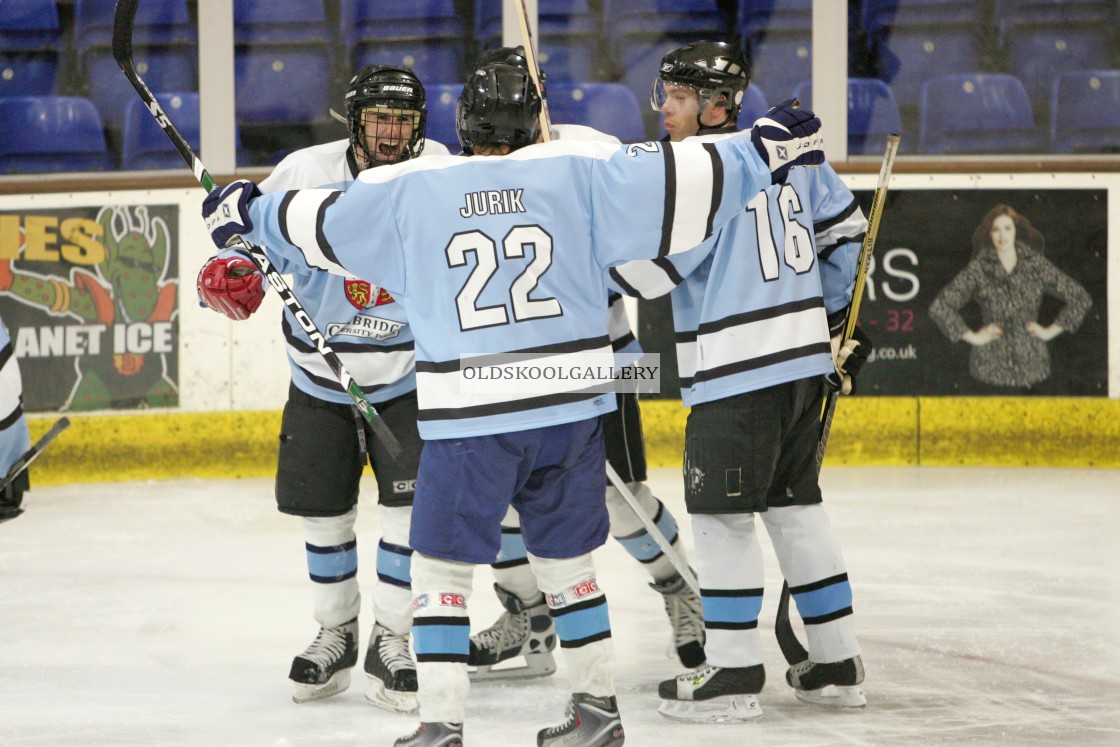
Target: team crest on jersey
{"x": 361, "y": 294}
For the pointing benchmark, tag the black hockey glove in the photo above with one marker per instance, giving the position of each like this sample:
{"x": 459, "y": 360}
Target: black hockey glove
{"x": 12, "y": 497}
{"x": 850, "y": 356}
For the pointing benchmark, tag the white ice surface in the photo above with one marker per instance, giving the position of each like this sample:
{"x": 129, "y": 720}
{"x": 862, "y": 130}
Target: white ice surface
{"x": 167, "y": 613}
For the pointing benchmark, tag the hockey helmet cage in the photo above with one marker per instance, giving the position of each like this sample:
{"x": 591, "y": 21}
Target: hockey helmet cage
{"x": 711, "y": 68}
{"x": 385, "y": 89}
{"x": 499, "y": 105}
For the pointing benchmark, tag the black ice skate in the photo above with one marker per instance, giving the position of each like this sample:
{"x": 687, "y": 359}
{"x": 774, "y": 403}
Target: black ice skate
{"x": 718, "y": 694}
{"x": 324, "y": 668}
{"x": 433, "y": 734}
{"x": 591, "y": 722}
{"x": 836, "y": 684}
{"x": 391, "y": 671}
{"x": 686, "y": 615}
{"x": 522, "y": 631}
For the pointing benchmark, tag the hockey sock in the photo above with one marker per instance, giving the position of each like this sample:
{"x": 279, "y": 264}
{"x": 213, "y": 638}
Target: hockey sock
{"x": 730, "y": 567}
{"x": 441, "y": 633}
{"x": 511, "y": 569}
{"x": 332, "y": 564}
{"x": 812, "y": 564}
{"x": 392, "y": 594}
{"x": 631, "y": 533}
{"x": 579, "y": 611}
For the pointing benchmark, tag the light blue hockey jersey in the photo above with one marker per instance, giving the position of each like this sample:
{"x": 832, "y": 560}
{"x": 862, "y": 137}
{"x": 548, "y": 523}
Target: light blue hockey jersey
{"x": 749, "y": 305}
{"x": 363, "y": 324}
{"x": 509, "y": 255}
{"x": 15, "y": 437}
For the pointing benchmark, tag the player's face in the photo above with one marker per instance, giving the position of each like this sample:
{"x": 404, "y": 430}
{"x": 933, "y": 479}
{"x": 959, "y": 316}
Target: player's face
{"x": 679, "y": 108}
{"x": 387, "y": 132}
{"x": 1003, "y": 232}
{"x": 491, "y": 149}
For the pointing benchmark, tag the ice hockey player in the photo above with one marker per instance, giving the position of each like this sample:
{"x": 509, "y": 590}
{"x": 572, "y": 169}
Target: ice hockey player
{"x": 15, "y": 436}
{"x": 508, "y": 256}
{"x": 525, "y": 630}
{"x": 324, "y": 443}
{"x": 753, "y": 308}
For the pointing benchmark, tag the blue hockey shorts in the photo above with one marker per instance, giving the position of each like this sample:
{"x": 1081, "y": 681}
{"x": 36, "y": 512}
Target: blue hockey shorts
{"x": 555, "y": 477}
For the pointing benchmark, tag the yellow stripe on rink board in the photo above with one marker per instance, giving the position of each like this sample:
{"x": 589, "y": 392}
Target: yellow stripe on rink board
{"x": 876, "y": 431}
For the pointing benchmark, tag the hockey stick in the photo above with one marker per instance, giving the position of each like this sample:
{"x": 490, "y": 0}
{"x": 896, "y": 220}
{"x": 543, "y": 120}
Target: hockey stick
{"x": 122, "y": 53}
{"x": 791, "y": 648}
{"x": 25, "y": 461}
{"x": 534, "y": 69}
{"x": 659, "y": 538}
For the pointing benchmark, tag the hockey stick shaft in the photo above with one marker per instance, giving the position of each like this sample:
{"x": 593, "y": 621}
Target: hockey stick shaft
{"x": 33, "y": 453}
{"x": 659, "y": 538}
{"x": 792, "y": 649}
{"x": 122, "y": 53}
{"x": 534, "y": 68}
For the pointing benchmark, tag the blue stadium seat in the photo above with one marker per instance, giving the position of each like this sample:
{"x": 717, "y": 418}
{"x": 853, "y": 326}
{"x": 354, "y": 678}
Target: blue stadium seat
{"x": 425, "y": 35}
{"x": 1085, "y": 112}
{"x": 29, "y": 47}
{"x": 778, "y": 36}
{"x": 442, "y": 98}
{"x": 165, "y": 50}
{"x": 144, "y": 145}
{"x": 641, "y": 32}
{"x": 1046, "y": 38}
{"x": 915, "y": 40}
{"x": 51, "y": 133}
{"x": 284, "y": 61}
{"x": 608, "y": 107}
{"x": 567, "y": 36}
{"x": 872, "y": 113}
{"x": 976, "y": 113}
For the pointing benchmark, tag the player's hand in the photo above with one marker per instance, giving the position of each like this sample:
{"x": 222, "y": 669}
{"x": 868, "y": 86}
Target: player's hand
{"x": 226, "y": 211}
{"x": 848, "y": 357}
{"x": 232, "y": 285}
{"x": 987, "y": 334}
{"x": 786, "y": 136}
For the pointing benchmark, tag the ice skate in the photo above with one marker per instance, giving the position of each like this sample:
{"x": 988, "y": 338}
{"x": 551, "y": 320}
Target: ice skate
{"x": 324, "y": 668}
{"x": 682, "y": 605}
{"x": 591, "y": 722}
{"x": 836, "y": 685}
{"x": 717, "y": 694}
{"x": 433, "y": 734}
{"x": 391, "y": 671}
{"x": 522, "y": 631}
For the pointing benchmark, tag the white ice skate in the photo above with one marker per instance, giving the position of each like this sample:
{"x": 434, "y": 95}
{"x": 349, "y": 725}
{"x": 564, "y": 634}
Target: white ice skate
{"x": 713, "y": 694}
{"x": 518, "y": 646}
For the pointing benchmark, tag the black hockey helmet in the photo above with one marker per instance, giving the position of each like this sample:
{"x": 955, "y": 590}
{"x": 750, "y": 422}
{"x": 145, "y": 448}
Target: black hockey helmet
{"x": 385, "y": 89}
{"x": 499, "y": 105}
{"x": 510, "y": 56}
{"x": 709, "y": 67}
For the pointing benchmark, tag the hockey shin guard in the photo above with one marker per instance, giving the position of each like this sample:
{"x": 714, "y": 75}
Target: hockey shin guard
{"x": 441, "y": 633}
{"x": 392, "y": 594}
{"x": 730, "y": 567}
{"x": 332, "y": 564}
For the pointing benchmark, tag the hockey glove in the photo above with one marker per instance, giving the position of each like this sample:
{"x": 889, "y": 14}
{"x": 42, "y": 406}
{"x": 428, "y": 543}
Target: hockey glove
{"x": 849, "y": 357}
{"x": 232, "y": 285}
{"x": 226, "y": 211}
{"x": 785, "y": 137}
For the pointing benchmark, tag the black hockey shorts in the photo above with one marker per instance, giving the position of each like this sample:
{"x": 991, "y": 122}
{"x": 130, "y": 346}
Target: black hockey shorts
{"x": 755, "y": 450}
{"x": 320, "y": 464}
{"x": 622, "y": 435}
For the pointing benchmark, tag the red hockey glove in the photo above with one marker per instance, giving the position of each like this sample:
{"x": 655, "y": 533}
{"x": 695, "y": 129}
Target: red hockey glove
{"x": 232, "y": 285}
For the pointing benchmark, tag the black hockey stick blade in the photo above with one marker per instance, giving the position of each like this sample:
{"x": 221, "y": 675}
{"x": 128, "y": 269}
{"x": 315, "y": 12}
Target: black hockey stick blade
{"x": 123, "y": 20}
{"x": 791, "y": 648}
{"x": 33, "y": 453}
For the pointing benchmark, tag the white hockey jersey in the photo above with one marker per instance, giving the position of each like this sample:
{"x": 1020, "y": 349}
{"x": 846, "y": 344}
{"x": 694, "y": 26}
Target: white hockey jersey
{"x": 15, "y": 437}
{"x": 363, "y": 324}
{"x": 749, "y": 305}
{"x": 509, "y": 255}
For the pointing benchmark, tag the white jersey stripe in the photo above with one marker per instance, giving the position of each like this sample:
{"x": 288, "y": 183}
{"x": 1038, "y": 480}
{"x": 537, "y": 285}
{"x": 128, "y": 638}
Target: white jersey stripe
{"x": 299, "y": 221}
{"x": 692, "y": 208}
